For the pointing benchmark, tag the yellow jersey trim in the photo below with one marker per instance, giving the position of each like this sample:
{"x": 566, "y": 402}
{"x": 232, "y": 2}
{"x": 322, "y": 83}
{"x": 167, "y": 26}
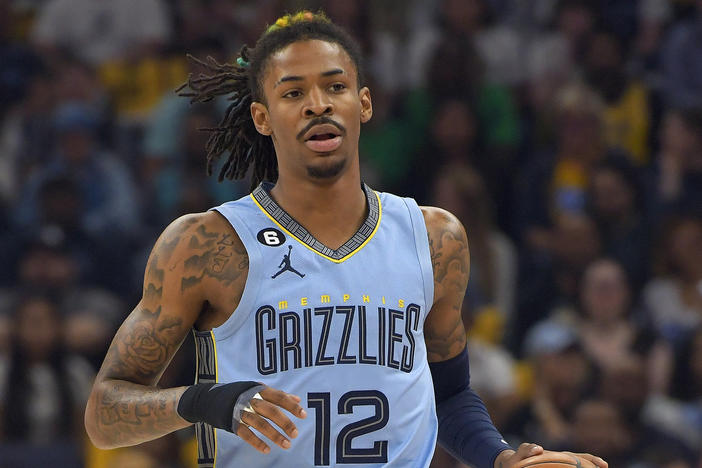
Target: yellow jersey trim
{"x": 216, "y": 366}
{"x": 340, "y": 260}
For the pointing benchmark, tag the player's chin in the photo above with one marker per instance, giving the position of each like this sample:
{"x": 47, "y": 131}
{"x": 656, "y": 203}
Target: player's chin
{"x": 328, "y": 167}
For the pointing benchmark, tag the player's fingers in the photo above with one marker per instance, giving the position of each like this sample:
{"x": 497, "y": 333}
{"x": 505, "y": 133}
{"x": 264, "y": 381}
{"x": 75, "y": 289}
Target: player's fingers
{"x": 597, "y": 461}
{"x": 527, "y": 450}
{"x": 261, "y": 425}
{"x": 284, "y": 400}
{"x": 274, "y": 413}
{"x": 250, "y": 438}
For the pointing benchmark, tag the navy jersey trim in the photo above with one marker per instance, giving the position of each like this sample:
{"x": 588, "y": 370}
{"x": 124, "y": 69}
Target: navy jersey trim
{"x": 296, "y": 230}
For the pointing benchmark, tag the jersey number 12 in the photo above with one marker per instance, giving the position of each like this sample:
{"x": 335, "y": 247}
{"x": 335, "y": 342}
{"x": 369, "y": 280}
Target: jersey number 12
{"x": 345, "y": 453}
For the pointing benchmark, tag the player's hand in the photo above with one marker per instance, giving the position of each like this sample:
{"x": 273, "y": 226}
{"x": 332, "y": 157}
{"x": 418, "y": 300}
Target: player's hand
{"x": 269, "y": 409}
{"x": 597, "y": 461}
{"x": 529, "y": 454}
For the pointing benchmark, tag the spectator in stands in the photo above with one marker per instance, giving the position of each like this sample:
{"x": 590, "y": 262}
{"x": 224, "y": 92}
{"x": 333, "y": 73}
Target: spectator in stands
{"x": 99, "y": 32}
{"x": 19, "y": 62}
{"x": 682, "y": 62}
{"x": 646, "y": 56}
{"x": 550, "y": 277}
{"x": 615, "y": 200}
{"x": 568, "y": 22}
{"x": 464, "y": 79}
{"x": 459, "y": 188}
{"x": 626, "y": 115}
{"x": 469, "y": 21}
{"x": 91, "y": 313}
{"x": 490, "y": 106}
{"x": 452, "y": 139}
{"x": 26, "y": 136}
{"x": 556, "y": 182}
{"x": 163, "y": 133}
{"x": 562, "y": 375}
{"x": 602, "y": 426}
{"x": 105, "y": 183}
{"x": 676, "y": 179}
{"x": 674, "y": 296}
{"x": 684, "y": 410}
{"x": 608, "y": 329}
{"x": 43, "y": 389}
{"x": 180, "y": 184}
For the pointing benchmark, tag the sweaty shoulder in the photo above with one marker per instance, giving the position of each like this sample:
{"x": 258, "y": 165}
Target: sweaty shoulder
{"x": 202, "y": 260}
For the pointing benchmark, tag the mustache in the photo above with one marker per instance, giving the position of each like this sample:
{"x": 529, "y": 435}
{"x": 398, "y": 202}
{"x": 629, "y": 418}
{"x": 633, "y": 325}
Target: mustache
{"x": 319, "y": 121}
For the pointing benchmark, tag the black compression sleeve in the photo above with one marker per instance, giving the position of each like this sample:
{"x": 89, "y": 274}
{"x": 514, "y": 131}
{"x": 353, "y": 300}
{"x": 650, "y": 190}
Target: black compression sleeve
{"x": 465, "y": 428}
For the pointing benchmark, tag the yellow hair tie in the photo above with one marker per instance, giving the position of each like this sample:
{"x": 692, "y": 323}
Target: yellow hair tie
{"x": 300, "y": 16}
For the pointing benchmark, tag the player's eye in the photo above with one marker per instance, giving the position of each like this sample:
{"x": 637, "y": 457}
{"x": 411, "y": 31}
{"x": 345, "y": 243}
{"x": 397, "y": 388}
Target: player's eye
{"x": 293, "y": 93}
{"x": 337, "y": 87}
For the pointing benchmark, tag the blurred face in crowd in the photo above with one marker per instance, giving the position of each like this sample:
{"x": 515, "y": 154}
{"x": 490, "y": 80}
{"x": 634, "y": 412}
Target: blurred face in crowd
{"x": 76, "y": 145}
{"x": 684, "y": 249}
{"x": 611, "y": 195}
{"x": 564, "y": 373}
{"x": 576, "y": 240}
{"x": 461, "y": 190}
{"x": 76, "y": 82}
{"x": 454, "y": 127}
{"x": 61, "y": 204}
{"x": 676, "y": 136}
{"x": 462, "y": 15}
{"x": 38, "y": 328}
{"x": 604, "y": 292}
{"x": 574, "y": 21}
{"x": 46, "y": 268}
{"x": 604, "y": 52}
{"x": 626, "y": 384}
{"x": 604, "y": 66}
{"x": 580, "y": 135}
{"x": 599, "y": 427}
{"x": 39, "y": 97}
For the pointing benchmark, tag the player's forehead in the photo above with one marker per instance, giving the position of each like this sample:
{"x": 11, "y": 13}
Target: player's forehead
{"x": 308, "y": 59}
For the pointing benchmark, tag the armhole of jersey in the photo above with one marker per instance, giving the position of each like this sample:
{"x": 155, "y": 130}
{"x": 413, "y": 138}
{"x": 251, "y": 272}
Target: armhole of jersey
{"x": 253, "y": 278}
{"x": 421, "y": 242}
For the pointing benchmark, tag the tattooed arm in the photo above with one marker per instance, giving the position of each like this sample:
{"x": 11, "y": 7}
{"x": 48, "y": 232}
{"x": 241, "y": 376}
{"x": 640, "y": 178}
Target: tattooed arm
{"x": 444, "y": 334}
{"x": 197, "y": 260}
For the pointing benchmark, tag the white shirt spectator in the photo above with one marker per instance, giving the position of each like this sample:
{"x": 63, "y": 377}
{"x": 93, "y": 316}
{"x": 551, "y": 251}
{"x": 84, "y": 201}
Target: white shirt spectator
{"x": 101, "y": 30}
{"x": 671, "y": 316}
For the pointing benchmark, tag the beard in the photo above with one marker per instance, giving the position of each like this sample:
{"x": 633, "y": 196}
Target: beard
{"x": 328, "y": 170}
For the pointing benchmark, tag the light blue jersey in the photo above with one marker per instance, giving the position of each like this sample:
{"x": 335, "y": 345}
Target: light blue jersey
{"x": 343, "y": 329}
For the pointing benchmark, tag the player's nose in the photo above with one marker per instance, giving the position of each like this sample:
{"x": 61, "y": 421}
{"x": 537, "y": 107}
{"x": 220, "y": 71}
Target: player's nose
{"x": 318, "y": 103}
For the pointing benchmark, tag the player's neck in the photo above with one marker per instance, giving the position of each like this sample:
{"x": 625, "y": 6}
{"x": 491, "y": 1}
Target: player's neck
{"x": 331, "y": 212}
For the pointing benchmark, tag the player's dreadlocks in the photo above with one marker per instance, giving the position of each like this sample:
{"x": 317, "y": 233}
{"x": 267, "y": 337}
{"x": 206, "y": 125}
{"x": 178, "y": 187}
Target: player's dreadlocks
{"x": 243, "y": 82}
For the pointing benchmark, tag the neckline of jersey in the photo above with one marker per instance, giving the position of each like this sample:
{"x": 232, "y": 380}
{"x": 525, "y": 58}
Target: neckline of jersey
{"x": 287, "y": 223}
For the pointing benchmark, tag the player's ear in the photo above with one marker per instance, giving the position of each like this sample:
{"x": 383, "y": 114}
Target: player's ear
{"x": 366, "y": 104}
{"x": 259, "y": 114}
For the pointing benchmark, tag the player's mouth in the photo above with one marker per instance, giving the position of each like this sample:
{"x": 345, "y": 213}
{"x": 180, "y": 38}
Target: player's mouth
{"x": 323, "y": 138}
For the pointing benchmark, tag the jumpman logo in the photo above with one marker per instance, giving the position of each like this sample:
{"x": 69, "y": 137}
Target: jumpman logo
{"x": 285, "y": 265}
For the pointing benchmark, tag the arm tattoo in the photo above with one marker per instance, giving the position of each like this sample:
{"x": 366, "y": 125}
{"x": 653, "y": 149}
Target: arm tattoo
{"x": 448, "y": 246}
{"x": 214, "y": 255}
{"x": 130, "y": 409}
{"x": 130, "y": 414}
{"x": 126, "y": 407}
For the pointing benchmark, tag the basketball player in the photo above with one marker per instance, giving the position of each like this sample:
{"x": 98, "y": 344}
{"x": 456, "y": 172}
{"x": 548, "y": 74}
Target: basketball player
{"x": 326, "y": 315}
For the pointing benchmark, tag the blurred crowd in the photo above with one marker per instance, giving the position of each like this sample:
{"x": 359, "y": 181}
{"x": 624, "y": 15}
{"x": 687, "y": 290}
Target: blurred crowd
{"x": 565, "y": 134}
